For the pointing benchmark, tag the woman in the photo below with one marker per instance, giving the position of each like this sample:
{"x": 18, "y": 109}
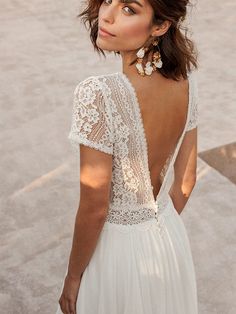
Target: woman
{"x": 136, "y": 134}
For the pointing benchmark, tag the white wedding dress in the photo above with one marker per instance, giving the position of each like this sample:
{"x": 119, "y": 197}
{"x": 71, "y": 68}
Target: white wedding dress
{"x": 142, "y": 263}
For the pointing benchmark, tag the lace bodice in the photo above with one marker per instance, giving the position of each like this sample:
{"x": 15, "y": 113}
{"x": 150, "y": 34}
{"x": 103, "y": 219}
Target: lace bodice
{"x": 106, "y": 116}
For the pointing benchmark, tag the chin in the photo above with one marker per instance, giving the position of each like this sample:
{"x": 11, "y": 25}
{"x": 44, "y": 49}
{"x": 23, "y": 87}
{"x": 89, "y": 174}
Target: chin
{"x": 103, "y": 45}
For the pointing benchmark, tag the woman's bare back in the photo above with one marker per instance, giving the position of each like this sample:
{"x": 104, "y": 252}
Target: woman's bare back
{"x": 163, "y": 105}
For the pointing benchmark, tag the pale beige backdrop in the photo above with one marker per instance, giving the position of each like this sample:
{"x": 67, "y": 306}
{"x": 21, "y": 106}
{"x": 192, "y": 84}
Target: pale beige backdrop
{"x": 44, "y": 53}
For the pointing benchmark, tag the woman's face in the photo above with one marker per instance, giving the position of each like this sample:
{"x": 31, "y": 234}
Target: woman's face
{"x": 128, "y": 20}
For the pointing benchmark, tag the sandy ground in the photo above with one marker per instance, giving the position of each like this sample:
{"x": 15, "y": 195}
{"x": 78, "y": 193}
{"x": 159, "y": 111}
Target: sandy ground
{"x": 44, "y": 52}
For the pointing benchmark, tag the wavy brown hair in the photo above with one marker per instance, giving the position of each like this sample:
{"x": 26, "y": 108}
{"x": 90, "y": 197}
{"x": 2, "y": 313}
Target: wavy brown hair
{"x": 178, "y": 52}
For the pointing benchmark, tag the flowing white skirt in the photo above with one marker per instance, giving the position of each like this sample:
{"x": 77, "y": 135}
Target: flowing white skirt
{"x": 143, "y": 268}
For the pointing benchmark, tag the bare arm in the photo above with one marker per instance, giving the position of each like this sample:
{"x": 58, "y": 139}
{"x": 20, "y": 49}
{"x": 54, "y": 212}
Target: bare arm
{"x": 185, "y": 167}
{"x": 91, "y": 135}
{"x": 95, "y": 180}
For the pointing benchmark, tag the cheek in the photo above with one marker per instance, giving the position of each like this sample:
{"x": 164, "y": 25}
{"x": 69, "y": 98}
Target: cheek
{"x": 135, "y": 31}
{"x": 100, "y": 11}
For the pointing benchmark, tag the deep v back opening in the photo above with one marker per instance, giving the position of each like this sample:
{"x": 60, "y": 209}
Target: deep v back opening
{"x": 141, "y": 123}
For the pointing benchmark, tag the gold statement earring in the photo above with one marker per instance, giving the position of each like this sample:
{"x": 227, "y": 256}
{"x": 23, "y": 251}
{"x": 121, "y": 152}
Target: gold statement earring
{"x": 150, "y": 66}
{"x": 139, "y": 64}
{"x": 157, "y": 62}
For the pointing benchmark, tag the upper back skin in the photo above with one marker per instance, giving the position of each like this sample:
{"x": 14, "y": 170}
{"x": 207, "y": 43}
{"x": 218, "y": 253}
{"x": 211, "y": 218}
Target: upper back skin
{"x": 163, "y": 104}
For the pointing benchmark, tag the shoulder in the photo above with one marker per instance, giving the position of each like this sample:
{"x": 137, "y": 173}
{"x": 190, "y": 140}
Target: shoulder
{"x": 89, "y": 83}
{"x": 193, "y": 85}
{"x": 189, "y": 85}
{"x": 94, "y": 83}
{"x": 92, "y": 94}
{"x": 193, "y": 78}
{"x": 193, "y": 101}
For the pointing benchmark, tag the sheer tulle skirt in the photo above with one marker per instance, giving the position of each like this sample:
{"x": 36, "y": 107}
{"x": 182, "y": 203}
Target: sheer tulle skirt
{"x": 144, "y": 268}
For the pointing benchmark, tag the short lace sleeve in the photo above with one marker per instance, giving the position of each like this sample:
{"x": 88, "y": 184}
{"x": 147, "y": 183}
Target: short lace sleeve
{"x": 91, "y": 117}
{"x": 193, "y": 114}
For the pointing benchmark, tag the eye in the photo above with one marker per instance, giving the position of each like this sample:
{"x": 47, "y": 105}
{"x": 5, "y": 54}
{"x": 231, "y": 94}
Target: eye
{"x": 130, "y": 10}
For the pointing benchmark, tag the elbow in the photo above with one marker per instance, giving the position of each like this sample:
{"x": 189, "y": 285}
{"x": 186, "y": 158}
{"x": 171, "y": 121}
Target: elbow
{"x": 95, "y": 207}
{"x": 98, "y": 215}
{"x": 188, "y": 186}
{"x": 181, "y": 191}
{"x": 94, "y": 201}
{"x": 91, "y": 214}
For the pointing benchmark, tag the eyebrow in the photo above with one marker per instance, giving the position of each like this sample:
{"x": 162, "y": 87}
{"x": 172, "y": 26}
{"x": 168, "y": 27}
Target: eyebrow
{"x": 132, "y": 1}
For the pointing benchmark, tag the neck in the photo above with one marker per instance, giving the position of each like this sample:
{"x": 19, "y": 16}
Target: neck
{"x": 127, "y": 58}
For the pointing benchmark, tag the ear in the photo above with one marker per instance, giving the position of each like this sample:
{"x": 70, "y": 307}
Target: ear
{"x": 161, "y": 29}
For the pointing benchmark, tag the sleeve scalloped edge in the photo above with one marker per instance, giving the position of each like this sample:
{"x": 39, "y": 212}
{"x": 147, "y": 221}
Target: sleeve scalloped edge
{"x": 75, "y": 140}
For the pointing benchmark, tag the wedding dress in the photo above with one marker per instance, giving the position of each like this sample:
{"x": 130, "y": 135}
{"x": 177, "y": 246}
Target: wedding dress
{"x": 142, "y": 263}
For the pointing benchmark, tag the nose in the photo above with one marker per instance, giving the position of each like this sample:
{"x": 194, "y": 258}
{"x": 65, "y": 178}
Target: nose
{"x": 108, "y": 15}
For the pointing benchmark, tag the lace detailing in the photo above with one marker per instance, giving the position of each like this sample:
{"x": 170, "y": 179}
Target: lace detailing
{"x": 193, "y": 117}
{"x": 106, "y": 116}
{"x": 130, "y": 180}
{"x": 142, "y": 130}
{"x": 137, "y": 213}
{"x": 91, "y": 117}
{"x": 130, "y": 215}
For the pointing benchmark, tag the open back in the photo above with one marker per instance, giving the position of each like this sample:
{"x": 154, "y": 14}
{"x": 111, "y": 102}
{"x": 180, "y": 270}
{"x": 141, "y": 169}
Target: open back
{"x": 107, "y": 116}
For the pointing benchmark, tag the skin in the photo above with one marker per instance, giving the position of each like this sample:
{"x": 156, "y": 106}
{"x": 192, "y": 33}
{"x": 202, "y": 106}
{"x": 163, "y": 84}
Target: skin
{"x": 131, "y": 31}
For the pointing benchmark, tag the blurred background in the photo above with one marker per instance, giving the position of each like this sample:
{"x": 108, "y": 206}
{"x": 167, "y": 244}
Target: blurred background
{"x": 44, "y": 52}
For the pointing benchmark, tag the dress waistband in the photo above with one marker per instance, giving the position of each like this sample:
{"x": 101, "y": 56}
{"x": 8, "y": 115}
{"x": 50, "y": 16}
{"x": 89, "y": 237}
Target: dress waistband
{"x": 141, "y": 215}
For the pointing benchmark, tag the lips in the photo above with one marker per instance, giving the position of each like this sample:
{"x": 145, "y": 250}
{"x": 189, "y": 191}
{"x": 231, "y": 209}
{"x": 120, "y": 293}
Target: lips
{"x": 105, "y": 31}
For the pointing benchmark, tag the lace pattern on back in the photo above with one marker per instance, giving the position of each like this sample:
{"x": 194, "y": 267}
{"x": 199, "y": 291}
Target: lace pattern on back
{"x": 105, "y": 117}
